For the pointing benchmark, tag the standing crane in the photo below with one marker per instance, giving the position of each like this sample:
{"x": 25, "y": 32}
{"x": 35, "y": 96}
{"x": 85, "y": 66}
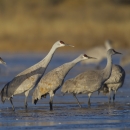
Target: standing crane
{"x": 115, "y": 81}
{"x": 89, "y": 81}
{"x": 52, "y": 81}
{"x": 27, "y": 79}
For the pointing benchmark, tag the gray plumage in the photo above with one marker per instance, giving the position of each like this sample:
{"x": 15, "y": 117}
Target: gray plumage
{"x": 90, "y": 80}
{"x": 27, "y": 79}
{"x": 99, "y": 52}
{"x": 51, "y": 82}
{"x": 115, "y": 81}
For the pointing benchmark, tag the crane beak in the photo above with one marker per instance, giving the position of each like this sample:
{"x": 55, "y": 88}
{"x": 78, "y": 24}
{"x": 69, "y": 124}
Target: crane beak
{"x": 117, "y": 52}
{"x": 91, "y": 57}
{"x": 69, "y": 45}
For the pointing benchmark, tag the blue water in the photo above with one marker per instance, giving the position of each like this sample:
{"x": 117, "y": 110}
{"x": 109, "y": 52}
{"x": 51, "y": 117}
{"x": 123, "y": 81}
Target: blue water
{"x": 66, "y": 113}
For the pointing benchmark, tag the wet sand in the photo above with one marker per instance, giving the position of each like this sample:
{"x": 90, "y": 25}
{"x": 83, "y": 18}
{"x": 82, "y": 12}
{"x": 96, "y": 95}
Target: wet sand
{"x": 66, "y": 114}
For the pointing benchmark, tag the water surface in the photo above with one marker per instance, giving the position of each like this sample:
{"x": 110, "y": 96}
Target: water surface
{"x": 66, "y": 113}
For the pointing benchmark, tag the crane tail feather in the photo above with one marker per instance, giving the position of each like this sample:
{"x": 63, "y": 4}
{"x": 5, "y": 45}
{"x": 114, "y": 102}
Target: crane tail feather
{"x": 2, "y": 94}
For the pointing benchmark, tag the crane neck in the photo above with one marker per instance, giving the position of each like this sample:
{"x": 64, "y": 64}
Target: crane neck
{"x": 75, "y": 61}
{"x": 42, "y": 65}
{"x": 49, "y": 56}
{"x": 65, "y": 68}
{"x": 51, "y": 52}
{"x": 107, "y": 70}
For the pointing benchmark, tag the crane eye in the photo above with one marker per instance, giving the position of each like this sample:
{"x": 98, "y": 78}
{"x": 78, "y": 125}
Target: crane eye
{"x": 62, "y": 42}
{"x": 85, "y": 55}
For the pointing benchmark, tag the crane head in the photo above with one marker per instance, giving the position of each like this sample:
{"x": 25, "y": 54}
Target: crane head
{"x": 62, "y": 44}
{"x": 2, "y": 61}
{"x": 113, "y": 52}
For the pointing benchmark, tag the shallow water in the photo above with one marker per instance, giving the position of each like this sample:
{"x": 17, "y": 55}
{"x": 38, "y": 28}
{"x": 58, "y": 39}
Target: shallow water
{"x": 66, "y": 113}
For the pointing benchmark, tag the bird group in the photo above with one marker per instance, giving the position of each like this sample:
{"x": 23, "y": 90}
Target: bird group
{"x": 111, "y": 78}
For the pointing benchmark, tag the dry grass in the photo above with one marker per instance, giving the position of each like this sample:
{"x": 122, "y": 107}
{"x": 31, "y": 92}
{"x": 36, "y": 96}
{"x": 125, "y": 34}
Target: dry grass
{"x": 35, "y": 25}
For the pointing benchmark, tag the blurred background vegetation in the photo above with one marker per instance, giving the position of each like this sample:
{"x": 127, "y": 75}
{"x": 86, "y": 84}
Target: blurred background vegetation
{"x": 34, "y": 25}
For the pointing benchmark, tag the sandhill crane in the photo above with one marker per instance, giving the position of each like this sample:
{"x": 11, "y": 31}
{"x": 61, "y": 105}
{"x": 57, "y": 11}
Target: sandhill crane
{"x": 99, "y": 51}
{"x": 115, "y": 81}
{"x": 27, "y": 79}
{"x": 91, "y": 80}
{"x": 52, "y": 81}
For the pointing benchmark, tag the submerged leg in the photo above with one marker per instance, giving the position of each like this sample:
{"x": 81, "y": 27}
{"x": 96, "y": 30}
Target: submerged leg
{"x": 51, "y": 100}
{"x": 12, "y": 104}
{"x": 114, "y": 95}
{"x": 109, "y": 95}
{"x": 26, "y": 96}
{"x": 89, "y": 95}
{"x": 77, "y": 100}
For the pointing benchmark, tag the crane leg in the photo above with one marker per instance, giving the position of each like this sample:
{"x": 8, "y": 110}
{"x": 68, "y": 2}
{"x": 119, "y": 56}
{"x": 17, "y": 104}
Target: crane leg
{"x": 12, "y": 104}
{"x": 109, "y": 95}
{"x": 77, "y": 100}
{"x": 114, "y": 95}
{"x": 89, "y": 95}
{"x": 51, "y": 101}
{"x": 25, "y": 103}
